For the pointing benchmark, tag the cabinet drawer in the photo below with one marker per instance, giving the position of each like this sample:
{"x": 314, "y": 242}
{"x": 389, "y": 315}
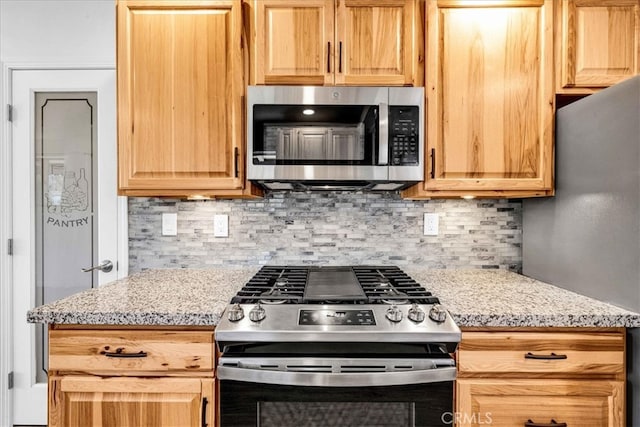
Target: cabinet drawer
{"x": 514, "y": 402}
{"x": 544, "y": 353}
{"x": 131, "y": 350}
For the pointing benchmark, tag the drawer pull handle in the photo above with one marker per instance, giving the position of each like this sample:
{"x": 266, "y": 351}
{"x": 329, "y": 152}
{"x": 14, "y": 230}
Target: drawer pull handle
{"x": 119, "y": 353}
{"x": 551, "y": 356}
{"x": 204, "y": 411}
{"x": 553, "y": 423}
{"x": 433, "y": 163}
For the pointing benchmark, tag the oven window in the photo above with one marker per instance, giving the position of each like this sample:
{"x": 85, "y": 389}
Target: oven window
{"x": 338, "y": 414}
{"x": 245, "y": 404}
{"x": 315, "y": 135}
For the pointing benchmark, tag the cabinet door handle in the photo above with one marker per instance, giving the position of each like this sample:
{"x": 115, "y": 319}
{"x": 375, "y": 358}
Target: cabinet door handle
{"x": 553, "y": 423}
{"x": 340, "y": 57}
{"x": 204, "y": 411}
{"x": 235, "y": 159}
{"x": 433, "y": 163}
{"x": 551, "y": 356}
{"x": 119, "y": 353}
{"x": 328, "y": 57}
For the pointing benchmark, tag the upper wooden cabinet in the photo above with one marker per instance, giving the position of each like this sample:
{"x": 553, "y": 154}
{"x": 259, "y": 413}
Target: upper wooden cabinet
{"x": 597, "y": 43}
{"x": 180, "y": 89}
{"x": 342, "y": 42}
{"x": 490, "y": 99}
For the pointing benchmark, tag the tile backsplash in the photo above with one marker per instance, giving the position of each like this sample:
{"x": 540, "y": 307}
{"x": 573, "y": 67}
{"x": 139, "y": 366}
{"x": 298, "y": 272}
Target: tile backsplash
{"x": 327, "y": 228}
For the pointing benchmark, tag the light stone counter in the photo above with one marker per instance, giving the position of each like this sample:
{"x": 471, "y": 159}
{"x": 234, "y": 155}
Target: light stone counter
{"x": 198, "y": 297}
{"x": 501, "y": 298}
{"x": 152, "y": 297}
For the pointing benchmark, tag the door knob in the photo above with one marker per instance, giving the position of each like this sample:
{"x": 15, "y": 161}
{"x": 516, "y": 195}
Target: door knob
{"x": 106, "y": 266}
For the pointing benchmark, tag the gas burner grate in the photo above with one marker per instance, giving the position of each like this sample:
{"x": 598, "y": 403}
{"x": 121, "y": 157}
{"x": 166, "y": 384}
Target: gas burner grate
{"x": 391, "y": 285}
{"x": 274, "y": 285}
{"x": 286, "y": 285}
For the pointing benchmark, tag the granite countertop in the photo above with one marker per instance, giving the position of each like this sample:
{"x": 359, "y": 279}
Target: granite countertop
{"x": 152, "y": 297}
{"x": 503, "y": 299}
{"x": 494, "y": 298}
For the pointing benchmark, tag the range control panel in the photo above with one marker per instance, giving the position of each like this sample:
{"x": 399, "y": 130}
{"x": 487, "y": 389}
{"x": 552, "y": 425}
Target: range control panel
{"x": 403, "y": 135}
{"x": 337, "y": 317}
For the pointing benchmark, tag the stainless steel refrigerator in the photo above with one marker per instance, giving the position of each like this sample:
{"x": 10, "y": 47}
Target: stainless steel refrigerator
{"x": 587, "y": 238}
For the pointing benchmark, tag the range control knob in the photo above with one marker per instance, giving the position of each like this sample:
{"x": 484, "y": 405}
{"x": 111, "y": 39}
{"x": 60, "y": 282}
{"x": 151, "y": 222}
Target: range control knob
{"x": 416, "y": 314}
{"x": 257, "y": 313}
{"x": 394, "y": 314}
{"x": 236, "y": 313}
{"x": 438, "y": 313}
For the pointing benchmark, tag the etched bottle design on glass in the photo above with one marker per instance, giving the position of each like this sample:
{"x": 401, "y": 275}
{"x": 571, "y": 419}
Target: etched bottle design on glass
{"x": 83, "y": 188}
{"x": 75, "y": 194}
{"x": 55, "y": 186}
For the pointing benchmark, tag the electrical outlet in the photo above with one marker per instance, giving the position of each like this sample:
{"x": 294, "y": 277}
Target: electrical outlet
{"x": 221, "y": 225}
{"x": 431, "y": 224}
{"x": 169, "y": 224}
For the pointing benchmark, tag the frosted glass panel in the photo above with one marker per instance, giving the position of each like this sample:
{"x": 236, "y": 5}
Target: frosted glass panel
{"x": 66, "y": 234}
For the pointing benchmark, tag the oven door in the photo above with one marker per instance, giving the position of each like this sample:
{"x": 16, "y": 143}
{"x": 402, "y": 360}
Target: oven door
{"x": 335, "y": 392}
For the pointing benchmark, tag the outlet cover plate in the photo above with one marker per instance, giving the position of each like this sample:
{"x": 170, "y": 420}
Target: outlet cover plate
{"x": 431, "y": 224}
{"x": 169, "y": 224}
{"x": 221, "y": 225}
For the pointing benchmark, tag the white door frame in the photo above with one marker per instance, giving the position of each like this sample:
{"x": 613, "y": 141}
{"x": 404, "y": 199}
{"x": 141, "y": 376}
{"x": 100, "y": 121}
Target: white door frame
{"x": 6, "y": 226}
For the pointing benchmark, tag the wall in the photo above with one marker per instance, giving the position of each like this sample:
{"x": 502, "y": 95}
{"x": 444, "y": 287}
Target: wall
{"x": 58, "y": 32}
{"x": 327, "y": 228}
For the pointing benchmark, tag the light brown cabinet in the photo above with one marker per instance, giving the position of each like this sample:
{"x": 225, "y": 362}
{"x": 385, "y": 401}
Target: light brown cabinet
{"x": 508, "y": 403}
{"x": 327, "y": 42}
{"x": 180, "y": 89}
{"x": 131, "y": 377}
{"x": 509, "y": 378}
{"x": 597, "y": 43}
{"x": 490, "y": 100}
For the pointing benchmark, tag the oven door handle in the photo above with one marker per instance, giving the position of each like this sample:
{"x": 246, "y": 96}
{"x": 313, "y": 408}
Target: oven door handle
{"x": 330, "y": 379}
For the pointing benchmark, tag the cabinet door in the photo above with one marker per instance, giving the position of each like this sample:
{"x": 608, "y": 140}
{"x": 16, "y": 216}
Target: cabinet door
{"x": 180, "y": 90}
{"x": 490, "y": 97}
{"x": 376, "y": 43}
{"x": 128, "y": 402}
{"x": 598, "y": 43}
{"x": 293, "y": 42}
{"x": 508, "y": 403}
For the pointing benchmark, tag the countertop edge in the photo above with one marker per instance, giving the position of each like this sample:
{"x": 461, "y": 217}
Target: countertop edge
{"x": 465, "y": 293}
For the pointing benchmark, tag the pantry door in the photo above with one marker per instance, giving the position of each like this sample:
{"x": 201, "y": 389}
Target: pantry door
{"x": 65, "y": 208}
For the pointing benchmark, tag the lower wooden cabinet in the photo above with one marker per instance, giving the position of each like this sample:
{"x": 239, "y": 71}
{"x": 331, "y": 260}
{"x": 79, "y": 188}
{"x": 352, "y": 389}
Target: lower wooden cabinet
{"x": 531, "y": 403}
{"x": 541, "y": 377}
{"x": 131, "y": 376}
{"x": 127, "y": 402}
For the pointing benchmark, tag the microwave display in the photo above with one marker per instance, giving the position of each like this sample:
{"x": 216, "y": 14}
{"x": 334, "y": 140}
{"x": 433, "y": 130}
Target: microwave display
{"x": 403, "y": 135}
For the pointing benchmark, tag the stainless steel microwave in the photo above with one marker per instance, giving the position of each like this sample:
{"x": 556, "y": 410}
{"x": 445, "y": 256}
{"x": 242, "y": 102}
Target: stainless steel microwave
{"x": 320, "y": 137}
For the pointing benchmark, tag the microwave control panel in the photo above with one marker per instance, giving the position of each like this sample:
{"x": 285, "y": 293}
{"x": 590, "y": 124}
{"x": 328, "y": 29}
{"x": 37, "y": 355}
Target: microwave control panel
{"x": 403, "y": 135}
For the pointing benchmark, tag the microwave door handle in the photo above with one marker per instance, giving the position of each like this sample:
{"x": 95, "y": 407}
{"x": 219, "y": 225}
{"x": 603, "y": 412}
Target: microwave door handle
{"x": 383, "y": 143}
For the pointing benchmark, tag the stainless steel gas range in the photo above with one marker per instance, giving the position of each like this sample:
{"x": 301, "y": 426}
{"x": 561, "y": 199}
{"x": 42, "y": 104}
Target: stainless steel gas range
{"x": 335, "y": 346}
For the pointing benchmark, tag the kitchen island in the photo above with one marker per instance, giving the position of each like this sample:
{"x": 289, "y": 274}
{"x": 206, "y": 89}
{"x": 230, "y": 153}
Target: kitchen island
{"x": 527, "y": 347}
